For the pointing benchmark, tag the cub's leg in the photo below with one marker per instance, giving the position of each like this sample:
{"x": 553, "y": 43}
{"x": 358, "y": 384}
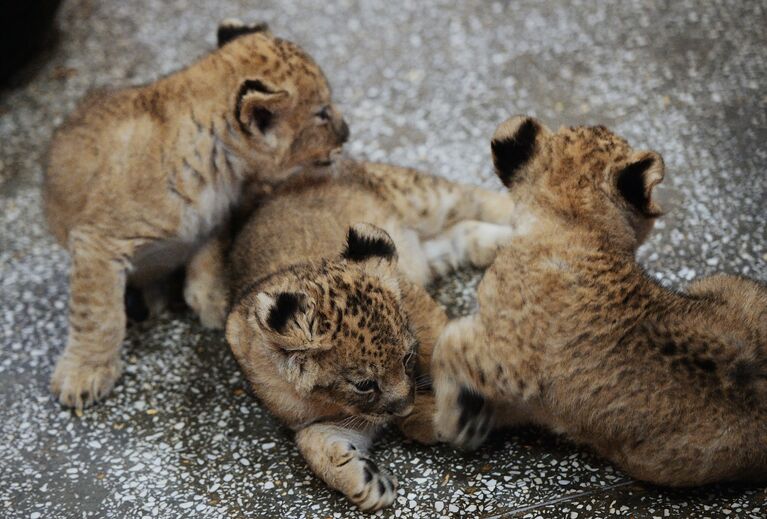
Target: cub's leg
{"x": 339, "y": 456}
{"x": 466, "y": 243}
{"x": 90, "y": 364}
{"x": 430, "y": 204}
{"x": 474, "y": 380}
{"x": 462, "y": 416}
{"x": 206, "y": 288}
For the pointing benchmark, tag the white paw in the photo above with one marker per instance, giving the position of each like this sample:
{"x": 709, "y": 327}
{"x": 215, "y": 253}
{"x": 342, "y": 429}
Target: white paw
{"x": 79, "y": 384}
{"x": 364, "y": 483}
{"x": 376, "y": 487}
{"x": 485, "y": 242}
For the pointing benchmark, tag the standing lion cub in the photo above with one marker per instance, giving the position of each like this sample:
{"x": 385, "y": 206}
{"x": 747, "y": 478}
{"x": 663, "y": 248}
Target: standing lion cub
{"x": 138, "y": 177}
{"x": 573, "y": 335}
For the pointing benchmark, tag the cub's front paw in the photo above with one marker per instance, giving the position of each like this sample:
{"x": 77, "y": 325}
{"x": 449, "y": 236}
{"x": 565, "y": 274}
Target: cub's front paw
{"x": 463, "y": 417}
{"x": 79, "y": 384}
{"x": 476, "y": 420}
{"x": 375, "y": 488}
{"x": 361, "y": 480}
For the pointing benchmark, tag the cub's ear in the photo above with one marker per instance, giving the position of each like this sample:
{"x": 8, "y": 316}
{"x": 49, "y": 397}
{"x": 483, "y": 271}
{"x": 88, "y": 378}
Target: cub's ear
{"x": 367, "y": 242}
{"x": 635, "y": 182}
{"x": 280, "y": 322}
{"x": 257, "y": 105}
{"x": 276, "y": 311}
{"x": 232, "y": 28}
{"x": 514, "y": 143}
{"x": 286, "y": 320}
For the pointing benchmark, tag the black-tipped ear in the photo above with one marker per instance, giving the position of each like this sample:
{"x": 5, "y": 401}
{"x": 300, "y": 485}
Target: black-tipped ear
{"x": 257, "y": 102}
{"x": 514, "y": 144}
{"x": 285, "y": 320}
{"x": 232, "y": 28}
{"x": 636, "y": 180}
{"x": 277, "y": 311}
{"x": 365, "y": 241}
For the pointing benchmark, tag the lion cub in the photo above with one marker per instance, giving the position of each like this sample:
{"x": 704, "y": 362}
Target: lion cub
{"x": 138, "y": 177}
{"x": 573, "y": 335}
{"x": 329, "y": 318}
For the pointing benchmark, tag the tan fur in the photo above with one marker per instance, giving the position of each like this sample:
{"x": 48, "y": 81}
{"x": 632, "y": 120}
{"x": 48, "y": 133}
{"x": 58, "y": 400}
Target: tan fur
{"x": 360, "y": 315}
{"x": 573, "y": 335}
{"x": 138, "y": 177}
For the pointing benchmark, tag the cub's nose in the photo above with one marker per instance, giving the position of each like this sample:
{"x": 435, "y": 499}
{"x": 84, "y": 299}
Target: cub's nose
{"x": 400, "y": 408}
{"x": 342, "y": 132}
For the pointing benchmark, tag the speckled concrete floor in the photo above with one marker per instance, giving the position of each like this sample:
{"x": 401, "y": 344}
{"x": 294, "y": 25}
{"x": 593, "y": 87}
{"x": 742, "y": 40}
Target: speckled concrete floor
{"x": 423, "y": 84}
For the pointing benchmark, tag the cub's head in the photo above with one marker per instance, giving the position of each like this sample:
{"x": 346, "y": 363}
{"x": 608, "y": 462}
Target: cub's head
{"x": 581, "y": 176}
{"x": 335, "y": 330}
{"x": 280, "y": 113}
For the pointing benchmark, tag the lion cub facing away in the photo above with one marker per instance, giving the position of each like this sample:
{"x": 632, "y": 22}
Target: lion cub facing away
{"x": 573, "y": 335}
{"x": 138, "y": 177}
{"x": 329, "y": 317}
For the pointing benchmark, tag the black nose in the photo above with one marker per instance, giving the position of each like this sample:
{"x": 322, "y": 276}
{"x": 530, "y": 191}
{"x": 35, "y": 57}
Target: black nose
{"x": 343, "y": 132}
{"x": 400, "y": 407}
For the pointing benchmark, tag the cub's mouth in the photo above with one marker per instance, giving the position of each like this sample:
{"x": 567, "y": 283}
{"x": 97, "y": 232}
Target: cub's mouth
{"x": 331, "y": 158}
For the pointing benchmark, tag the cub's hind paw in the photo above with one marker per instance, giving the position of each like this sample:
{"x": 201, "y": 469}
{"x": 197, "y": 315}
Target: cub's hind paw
{"x": 441, "y": 257}
{"x": 375, "y": 488}
{"x": 79, "y": 384}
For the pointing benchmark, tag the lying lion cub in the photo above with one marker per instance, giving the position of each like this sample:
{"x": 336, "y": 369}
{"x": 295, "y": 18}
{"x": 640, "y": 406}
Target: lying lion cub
{"x": 138, "y": 177}
{"x": 329, "y": 316}
{"x": 573, "y": 335}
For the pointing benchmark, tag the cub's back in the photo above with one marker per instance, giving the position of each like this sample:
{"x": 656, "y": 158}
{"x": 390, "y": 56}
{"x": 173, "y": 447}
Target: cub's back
{"x": 306, "y": 219}
{"x": 113, "y": 134}
{"x": 81, "y": 150}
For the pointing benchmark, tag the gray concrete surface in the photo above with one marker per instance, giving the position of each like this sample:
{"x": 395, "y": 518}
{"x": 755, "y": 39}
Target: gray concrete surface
{"x": 423, "y": 84}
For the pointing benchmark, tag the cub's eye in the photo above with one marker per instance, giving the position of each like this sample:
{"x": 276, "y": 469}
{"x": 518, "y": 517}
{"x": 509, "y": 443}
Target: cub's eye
{"x": 366, "y": 386}
{"x": 324, "y": 114}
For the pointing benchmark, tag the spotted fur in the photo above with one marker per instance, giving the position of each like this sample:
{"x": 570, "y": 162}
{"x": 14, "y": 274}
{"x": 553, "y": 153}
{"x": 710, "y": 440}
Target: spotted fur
{"x": 138, "y": 177}
{"x": 343, "y": 364}
{"x": 573, "y": 335}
